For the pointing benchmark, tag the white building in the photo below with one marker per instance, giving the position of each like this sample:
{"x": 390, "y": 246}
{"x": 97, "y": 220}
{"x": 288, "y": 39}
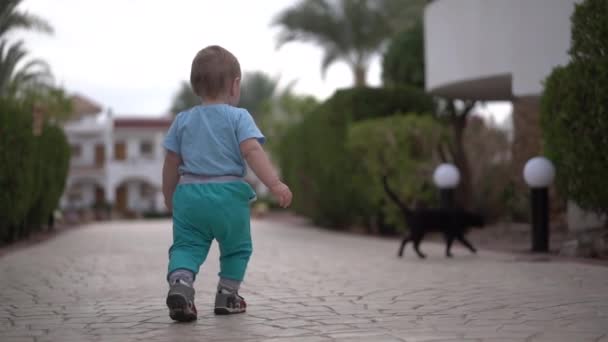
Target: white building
{"x": 500, "y": 50}
{"x": 115, "y": 161}
{"x": 494, "y": 49}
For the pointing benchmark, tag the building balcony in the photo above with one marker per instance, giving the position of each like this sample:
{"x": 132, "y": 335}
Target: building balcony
{"x": 89, "y": 125}
{"x": 86, "y": 171}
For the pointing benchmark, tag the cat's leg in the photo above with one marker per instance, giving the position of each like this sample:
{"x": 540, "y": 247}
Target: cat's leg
{"x": 417, "y": 239}
{"x": 405, "y": 240}
{"x": 449, "y": 239}
{"x": 465, "y": 242}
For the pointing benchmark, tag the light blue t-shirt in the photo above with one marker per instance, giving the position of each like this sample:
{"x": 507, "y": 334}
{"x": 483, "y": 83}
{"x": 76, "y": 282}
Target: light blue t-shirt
{"x": 208, "y": 137}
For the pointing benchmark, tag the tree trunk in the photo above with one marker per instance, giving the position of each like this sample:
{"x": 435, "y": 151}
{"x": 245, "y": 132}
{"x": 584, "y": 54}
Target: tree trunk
{"x": 462, "y": 162}
{"x": 458, "y": 123}
{"x": 360, "y": 73}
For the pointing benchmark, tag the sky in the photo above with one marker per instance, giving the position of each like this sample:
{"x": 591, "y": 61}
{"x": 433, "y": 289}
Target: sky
{"x": 131, "y": 55}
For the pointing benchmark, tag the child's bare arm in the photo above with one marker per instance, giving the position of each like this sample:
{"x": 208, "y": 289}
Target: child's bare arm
{"x": 257, "y": 159}
{"x": 170, "y": 177}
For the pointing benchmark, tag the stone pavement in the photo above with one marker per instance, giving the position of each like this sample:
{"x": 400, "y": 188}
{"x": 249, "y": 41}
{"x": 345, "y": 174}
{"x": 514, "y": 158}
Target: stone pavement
{"x": 104, "y": 282}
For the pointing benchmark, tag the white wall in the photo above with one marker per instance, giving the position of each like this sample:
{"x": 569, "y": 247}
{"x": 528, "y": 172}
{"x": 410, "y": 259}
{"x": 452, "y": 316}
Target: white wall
{"x": 136, "y": 167}
{"x": 134, "y": 137}
{"x": 457, "y": 42}
{"x": 87, "y": 149}
{"x": 542, "y": 41}
{"x": 87, "y": 132}
{"x": 468, "y": 40}
{"x": 90, "y": 131}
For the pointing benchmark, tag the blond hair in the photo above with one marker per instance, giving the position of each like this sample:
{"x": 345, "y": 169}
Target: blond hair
{"x": 213, "y": 70}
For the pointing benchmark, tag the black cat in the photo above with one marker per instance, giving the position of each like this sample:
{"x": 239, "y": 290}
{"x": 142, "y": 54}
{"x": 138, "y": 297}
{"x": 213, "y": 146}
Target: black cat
{"x": 452, "y": 223}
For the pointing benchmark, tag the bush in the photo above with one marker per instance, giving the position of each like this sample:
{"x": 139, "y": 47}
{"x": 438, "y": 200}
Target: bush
{"x": 53, "y": 157}
{"x": 574, "y": 111}
{"x": 17, "y": 179}
{"x": 33, "y": 170}
{"x": 314, "y": 159}
{"x": 364, "y": 103}
{"x": 402, "y": 147}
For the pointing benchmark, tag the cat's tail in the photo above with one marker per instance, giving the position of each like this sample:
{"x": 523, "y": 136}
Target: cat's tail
{"x": 393, "y": 196}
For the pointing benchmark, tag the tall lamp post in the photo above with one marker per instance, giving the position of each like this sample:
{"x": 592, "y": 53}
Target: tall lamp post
{"x": 446, "y": 177}
{"x": 539, "y": 173}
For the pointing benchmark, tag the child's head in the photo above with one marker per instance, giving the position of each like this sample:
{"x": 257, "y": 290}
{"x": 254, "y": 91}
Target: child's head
{"x": 216, "y": 75}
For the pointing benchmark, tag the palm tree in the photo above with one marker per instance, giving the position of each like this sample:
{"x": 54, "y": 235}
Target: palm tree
{"x": 257, "y": 88}
{"x": 12, "y": 19}
{"x": 34, "y": 75}
{"x": 349, "y": 30}
{"x": 16, "y": 80}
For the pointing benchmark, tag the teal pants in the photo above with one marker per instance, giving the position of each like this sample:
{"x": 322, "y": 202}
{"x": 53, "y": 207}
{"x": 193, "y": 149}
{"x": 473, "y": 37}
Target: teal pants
{"x": 207, "y": 211}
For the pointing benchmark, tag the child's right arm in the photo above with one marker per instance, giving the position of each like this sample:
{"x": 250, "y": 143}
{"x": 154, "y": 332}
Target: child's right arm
{"x": 257, "y": 159}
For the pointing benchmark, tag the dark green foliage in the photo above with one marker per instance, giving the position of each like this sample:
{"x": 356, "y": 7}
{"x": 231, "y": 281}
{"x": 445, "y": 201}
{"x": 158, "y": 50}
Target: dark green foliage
{"x": 363, "y": 103}
{"x": 403, "y": 147}
{"x": 33, "y": 170}
{"x": 316, "y": 163}
{"x": 281, "y": 112}
{"x": 403, "y": 62}
{"x": 53, "y": 160}
{"x": 590, "y": 31}
{"x": 17, "y": 180}
{"x": 574, "y": 111}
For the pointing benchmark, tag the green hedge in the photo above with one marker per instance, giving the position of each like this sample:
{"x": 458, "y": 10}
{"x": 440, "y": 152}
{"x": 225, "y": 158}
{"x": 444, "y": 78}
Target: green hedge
{"x": 53, "y": 152}
{"x": 17, "y": 179}
{"x": 574, "y": 111}
{"x": 315, "y": 161}
{"x": 33, "y": 171}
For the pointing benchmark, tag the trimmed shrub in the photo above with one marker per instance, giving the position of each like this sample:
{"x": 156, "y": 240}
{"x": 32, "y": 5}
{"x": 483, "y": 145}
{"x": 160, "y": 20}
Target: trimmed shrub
{"x": 17, "y": 177}
{"x": 53, "y": 152}
{"x": 33, "y": 170}
{"x": 314, "y": 159}
{"x": 403, "y": 147}
{"x": 574, "y": 111}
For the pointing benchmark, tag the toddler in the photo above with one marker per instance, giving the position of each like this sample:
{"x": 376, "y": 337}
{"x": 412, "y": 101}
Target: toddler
{"x": 207, "y": 147}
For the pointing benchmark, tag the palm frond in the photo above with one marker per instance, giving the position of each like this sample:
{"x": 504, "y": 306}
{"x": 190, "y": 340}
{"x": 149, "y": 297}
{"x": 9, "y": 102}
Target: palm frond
{"x": 349, "y": 30}
{"x": 13, "y": 19}
{"x": 311, "y": 20}
{"x": 329, "y": 57}
{"x": 14, "y": 78}
{"x": 34, "y": 72}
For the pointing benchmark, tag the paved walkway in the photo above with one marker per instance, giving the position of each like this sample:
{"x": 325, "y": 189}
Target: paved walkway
{"x": 105, "y": 283}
